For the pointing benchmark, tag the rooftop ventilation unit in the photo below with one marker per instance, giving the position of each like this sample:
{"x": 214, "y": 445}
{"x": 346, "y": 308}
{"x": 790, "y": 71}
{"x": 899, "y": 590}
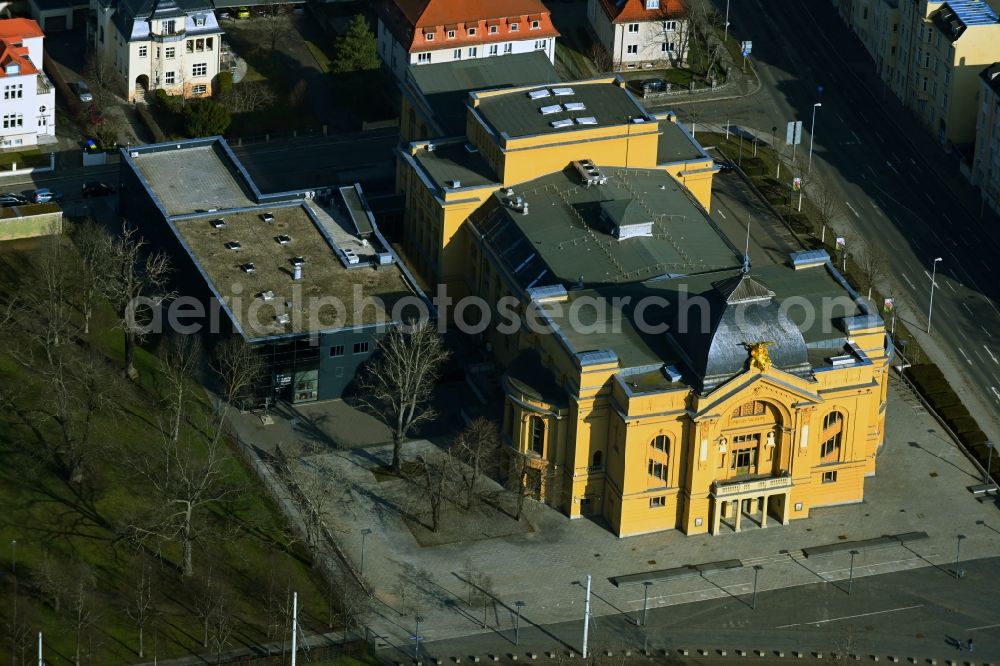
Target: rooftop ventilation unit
{"x": 267, "y": 296}
{"x": 671, "y": 373}
{"x": 384, "y": 258}
{"x": 562, "y": 122}
{"x": 589, "y": 172}
{"x": 218, "y": 223}
{"x": 267, "y": 217}
{"x": 538, "y": 94}
{"x": 518, "y": 204}
{"x": 586, "y": 120}
{"x": 234, "y": 245}
{"x": 562, "y": 92}
{"x": 637, "y": 230}
{"x": 431, "y": 147}
{"x": 469, "y": 148}
{"x": 283, "y": 320}
{"x": 454, "y": 184}
{"x": 575, "y": 106}
{"x": 298, "y": 261}
{"x": 283, "y": 239}
{"x": 248, "y": 267}
{"x": 297, "y": 272}
{"x": 550, "y": 109}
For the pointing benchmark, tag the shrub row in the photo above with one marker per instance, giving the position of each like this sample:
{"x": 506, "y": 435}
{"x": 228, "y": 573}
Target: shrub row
{"x": 932, "y": 385}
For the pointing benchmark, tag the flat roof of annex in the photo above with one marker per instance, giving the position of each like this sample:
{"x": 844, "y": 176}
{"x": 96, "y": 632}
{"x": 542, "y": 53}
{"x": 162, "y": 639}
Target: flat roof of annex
{"x": 578, "y": 107}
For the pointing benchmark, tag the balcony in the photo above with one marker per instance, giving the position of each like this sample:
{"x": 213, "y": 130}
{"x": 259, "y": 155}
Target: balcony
{"x": 760, "y": 485}
{"x": 174, "y": 36}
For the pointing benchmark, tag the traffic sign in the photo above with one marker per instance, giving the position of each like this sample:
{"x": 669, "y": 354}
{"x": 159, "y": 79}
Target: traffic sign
{"x": 746, "y": 47}
{"x": 793, "y": 135}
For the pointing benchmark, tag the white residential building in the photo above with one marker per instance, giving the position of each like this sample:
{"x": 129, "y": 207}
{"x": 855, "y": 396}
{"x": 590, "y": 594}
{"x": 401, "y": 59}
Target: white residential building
{"x": 423, "y": 32}
{"x": 641, "y": 33}
{"x": 174, "y": 45}
{"x": 28, "y": 105}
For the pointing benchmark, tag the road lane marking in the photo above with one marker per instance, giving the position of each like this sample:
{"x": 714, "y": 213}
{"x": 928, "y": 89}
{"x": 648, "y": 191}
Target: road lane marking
{"x": 908, "y": 281}
{"x": 721, "y": 213}
{"x": 912, "y": 177}
{"x": 985, "y": 331}
{"x": 856, "y": 138}
{"x": 965, "y": 356}
{"x": 850, "y": 617}
{"x": 994, "y": 358}
{"x": 890, "y": 165}
{"x": 968, "y": 309}
{"x": 951, "y": 287}
{"x": 985, "y": 265}
{"x": 996, "y": 393}
{"x": 856, "y": 213}
{"x": 988, "y": 626}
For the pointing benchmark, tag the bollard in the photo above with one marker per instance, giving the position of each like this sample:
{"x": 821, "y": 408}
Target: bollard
{"x": 628, "y": 653}
{"x": 550, "y": 654}
{"x": 760, "y": 653}
{"x": 742, "y": 653}
{"x": 932, "y": 662}
{"x": 513, "y": 657}
{"x": 722, "y": 653}
{"x": 894, "y": 660}
{"x": 780, "y": 653}
{"x": 818, "y": 655}
{"x": 494, "y": 657}
{"x": 683, "y": 652}
{"x": 798, "y": 654}
{"x": 609, "y": 653}
{"x": 437, "y": 662}
{"x": 703, "y": 652}
{"x": 570, "y": 655}
{"x": 874, "y": 657}
{"x": 475, "y": 660}
{"x": 532, "y": 655}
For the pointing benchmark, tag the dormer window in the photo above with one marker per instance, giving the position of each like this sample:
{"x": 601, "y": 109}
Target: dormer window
{"x": 535, "y": 25}
{"x": 451, "y": 34}
{"x": 494, "y": 29}
{"x": 472, "y": 31}
{"x": 12, "y": 68}
{"x": 652, "y": 4}
{"x": 429, "y": 36}
{"x": 199, "y": 20}
{"x": 513, "y": 27}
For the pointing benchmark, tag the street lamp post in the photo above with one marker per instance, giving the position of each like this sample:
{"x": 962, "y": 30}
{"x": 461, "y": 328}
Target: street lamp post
{"x": 725, "y": 34}
{"x": 416, "y": 639}
{"x": 850, "y": 580}
{"x": 989, "y": 463}
{"x": 958, "y": 552}
{"x": 365, "y": 532}
{"x": 812, "y": 130}
{"x": 517, "y": 621}
{"x": 930, "y": 308}
{"x": 645, "y": 597}
{"x": 756, "y": 570}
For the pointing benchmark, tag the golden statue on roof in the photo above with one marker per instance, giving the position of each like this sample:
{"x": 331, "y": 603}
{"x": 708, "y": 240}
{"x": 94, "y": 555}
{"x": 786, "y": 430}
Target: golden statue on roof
{"x": 760, "y": 358}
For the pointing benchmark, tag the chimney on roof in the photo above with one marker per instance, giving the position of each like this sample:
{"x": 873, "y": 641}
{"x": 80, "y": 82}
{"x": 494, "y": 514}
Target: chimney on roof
{"x": 297, "y": 272}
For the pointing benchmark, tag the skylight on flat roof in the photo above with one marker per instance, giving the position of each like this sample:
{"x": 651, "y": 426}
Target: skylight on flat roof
{"x": 575, "y": 106}
{"x": 586, "y": 120}
{"x": 563, "y": 122}
{"x": 538, "y": 94}
{"x": 562, "y": 92}
{"x": 552, "y": 108}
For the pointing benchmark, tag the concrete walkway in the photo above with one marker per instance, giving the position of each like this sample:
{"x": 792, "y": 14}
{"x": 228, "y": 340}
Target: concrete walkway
{"x": 920, "y": 486}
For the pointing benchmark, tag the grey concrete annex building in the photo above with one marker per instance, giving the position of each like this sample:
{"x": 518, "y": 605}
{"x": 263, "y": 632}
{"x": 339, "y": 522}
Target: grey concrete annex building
{"x": 304, "y": 276}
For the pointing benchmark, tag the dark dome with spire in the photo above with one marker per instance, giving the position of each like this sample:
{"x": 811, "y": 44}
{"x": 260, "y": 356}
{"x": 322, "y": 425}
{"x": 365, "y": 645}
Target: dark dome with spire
{"x": 741, "y": 311}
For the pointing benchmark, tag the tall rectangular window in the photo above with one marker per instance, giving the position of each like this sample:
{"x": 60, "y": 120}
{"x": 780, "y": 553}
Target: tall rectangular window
{"x": 170, "y": 78}
{"x": 633, "y": 27}
{"x": 143, "y": 51}
{"x": 169, "y": 52}
{"x": 423, "y": 58}
{"x": 199, "y": 69}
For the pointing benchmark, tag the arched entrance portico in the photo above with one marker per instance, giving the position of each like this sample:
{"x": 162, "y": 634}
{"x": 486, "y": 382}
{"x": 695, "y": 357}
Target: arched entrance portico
{"x": 752, "y": 479}
{"x": 141, "y": 86}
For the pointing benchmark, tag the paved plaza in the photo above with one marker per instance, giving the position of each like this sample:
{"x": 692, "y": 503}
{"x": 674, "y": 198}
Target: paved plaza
{"x": 921, "y": 486}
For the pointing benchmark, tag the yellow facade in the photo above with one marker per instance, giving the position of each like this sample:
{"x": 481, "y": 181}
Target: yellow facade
{"x": 652, "y": 459}
{"x": 617, "y": 432}
{"x": 435, "y": 212}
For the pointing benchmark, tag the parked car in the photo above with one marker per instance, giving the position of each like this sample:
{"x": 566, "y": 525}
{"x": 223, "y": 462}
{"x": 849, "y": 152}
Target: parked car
{"x": 653, "y": 86}
{"x": 83, "y": 91}
{"x": 225, "y": 16}
{"x": 11, "y": 199}
{"x": 45, "y": 195}
{"x": 95, "y": 189}
{"x": 242, "y": 12}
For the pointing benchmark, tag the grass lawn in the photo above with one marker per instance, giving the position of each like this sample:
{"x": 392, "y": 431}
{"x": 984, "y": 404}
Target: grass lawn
{"x": 23, "y": 158}
{"x": 70, "y": 532}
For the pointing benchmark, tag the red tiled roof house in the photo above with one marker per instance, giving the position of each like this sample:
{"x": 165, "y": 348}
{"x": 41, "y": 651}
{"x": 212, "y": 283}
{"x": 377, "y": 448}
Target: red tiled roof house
{"x": 418, "y": 32}
{"x": 28, "y": 105}
{"x": 641, "y": 33}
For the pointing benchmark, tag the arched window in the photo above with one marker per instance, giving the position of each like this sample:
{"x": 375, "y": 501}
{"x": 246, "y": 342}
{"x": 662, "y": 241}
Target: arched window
{"x": 598, "y": 459}
{"x": 661, "y": 443}
{"x": 536, "y": 433}
{"x": 833, "y": 430}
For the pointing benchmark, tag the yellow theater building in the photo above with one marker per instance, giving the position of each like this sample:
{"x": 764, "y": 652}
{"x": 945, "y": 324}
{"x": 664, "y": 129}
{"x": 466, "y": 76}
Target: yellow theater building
{"x": 651, "y": 376}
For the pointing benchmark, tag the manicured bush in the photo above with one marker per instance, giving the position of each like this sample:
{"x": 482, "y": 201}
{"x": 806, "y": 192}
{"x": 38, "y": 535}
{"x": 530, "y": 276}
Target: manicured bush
{"x": 225, "y": 83}
{"x": 205, "y": 117}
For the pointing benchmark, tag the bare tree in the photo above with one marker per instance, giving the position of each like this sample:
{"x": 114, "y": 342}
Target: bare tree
{"x": 600, "y": 56}
{"x": 135, "y": 285}
{"x": 248, "y": 96}
{"x": 47, "y": 312}
{"x": 397, "y": 383}
{"x": 353, "y": 602}
{"x": 91, "y": 244}
{"x": 205, "y": 599}
{"x": 103, "y": 78}
{"x": 186, "y": 482}
{"x": 872, "y": 262}
{"x": 140, "y": 609}
{"x": 181, "y": 357}
{"x": 81, "y": 610}
{"x": 831, "y": 207}
{"x": 517, "y": 482}
{"x": 221, "y": 625}
{"x": 478, "y": 448}
{"x": 435, "y": 483}
{"x": 53, "y": 580}
{"x": 238, "y": 367}
{"x": 488, "y": 595}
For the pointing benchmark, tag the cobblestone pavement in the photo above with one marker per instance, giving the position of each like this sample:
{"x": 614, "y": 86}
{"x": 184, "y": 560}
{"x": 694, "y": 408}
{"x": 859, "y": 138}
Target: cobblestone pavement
{"x": 920, "y": 486}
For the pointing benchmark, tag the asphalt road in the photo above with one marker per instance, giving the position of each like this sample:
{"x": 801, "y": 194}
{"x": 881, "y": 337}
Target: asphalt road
{"x": 921, "y": 613}
{"x": 875, "y": 157}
